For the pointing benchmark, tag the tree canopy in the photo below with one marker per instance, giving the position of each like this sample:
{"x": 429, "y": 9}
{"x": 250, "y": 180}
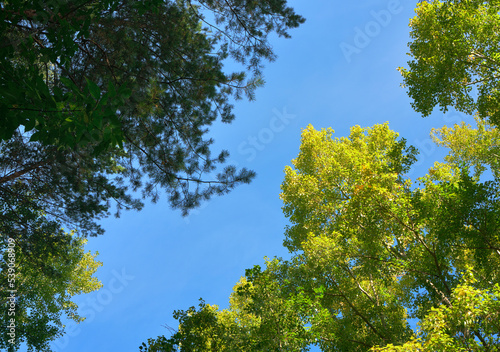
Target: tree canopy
{"x": 455, "y": 58}
{"x": 372, "y": 250}
{"x": 128, "y": 89}
{"x": 102, "y": 100}
{"x": 42, "y": 280}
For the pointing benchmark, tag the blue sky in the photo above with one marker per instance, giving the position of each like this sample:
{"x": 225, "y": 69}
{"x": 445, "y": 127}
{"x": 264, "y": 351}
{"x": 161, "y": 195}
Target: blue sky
{"x": 339, "y": 69}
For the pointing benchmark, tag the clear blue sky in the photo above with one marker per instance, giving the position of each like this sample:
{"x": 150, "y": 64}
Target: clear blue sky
{"x": 338, "y": 70}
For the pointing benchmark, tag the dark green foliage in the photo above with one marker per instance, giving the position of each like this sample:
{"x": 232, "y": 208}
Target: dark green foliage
{"x": 101, "y": 99}
{"x": 141, "y": 79}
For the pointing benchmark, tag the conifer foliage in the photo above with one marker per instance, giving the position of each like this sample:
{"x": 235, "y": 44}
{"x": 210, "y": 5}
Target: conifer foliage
{"x": 99, "y": 99}
{"x": 374, "y": 251}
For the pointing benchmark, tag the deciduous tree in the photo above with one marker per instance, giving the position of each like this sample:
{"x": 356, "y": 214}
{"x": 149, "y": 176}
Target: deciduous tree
{"x": 455, "y": 58}
{"x": 373, "y": 249}
{"x": 44, "y": 277}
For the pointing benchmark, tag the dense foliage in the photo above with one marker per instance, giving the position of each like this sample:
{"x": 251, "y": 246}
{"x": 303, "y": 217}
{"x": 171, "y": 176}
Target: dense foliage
{"x": 128, "y": 88}
{"x": 103, "y": 99}
{"x": 36, "y": 293}
{"x": 372, "y": 249}
{"x": 455, "y": 57}
{"x": 98, "y": 97}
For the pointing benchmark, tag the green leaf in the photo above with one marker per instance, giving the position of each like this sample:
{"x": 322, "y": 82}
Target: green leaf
{"x": 29, "y": 124}
{"x": 37, "y": 136}
{"x": 111, "y": 89}
{"x": 67, "y": 82}
{"x": 94, "y": 89}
